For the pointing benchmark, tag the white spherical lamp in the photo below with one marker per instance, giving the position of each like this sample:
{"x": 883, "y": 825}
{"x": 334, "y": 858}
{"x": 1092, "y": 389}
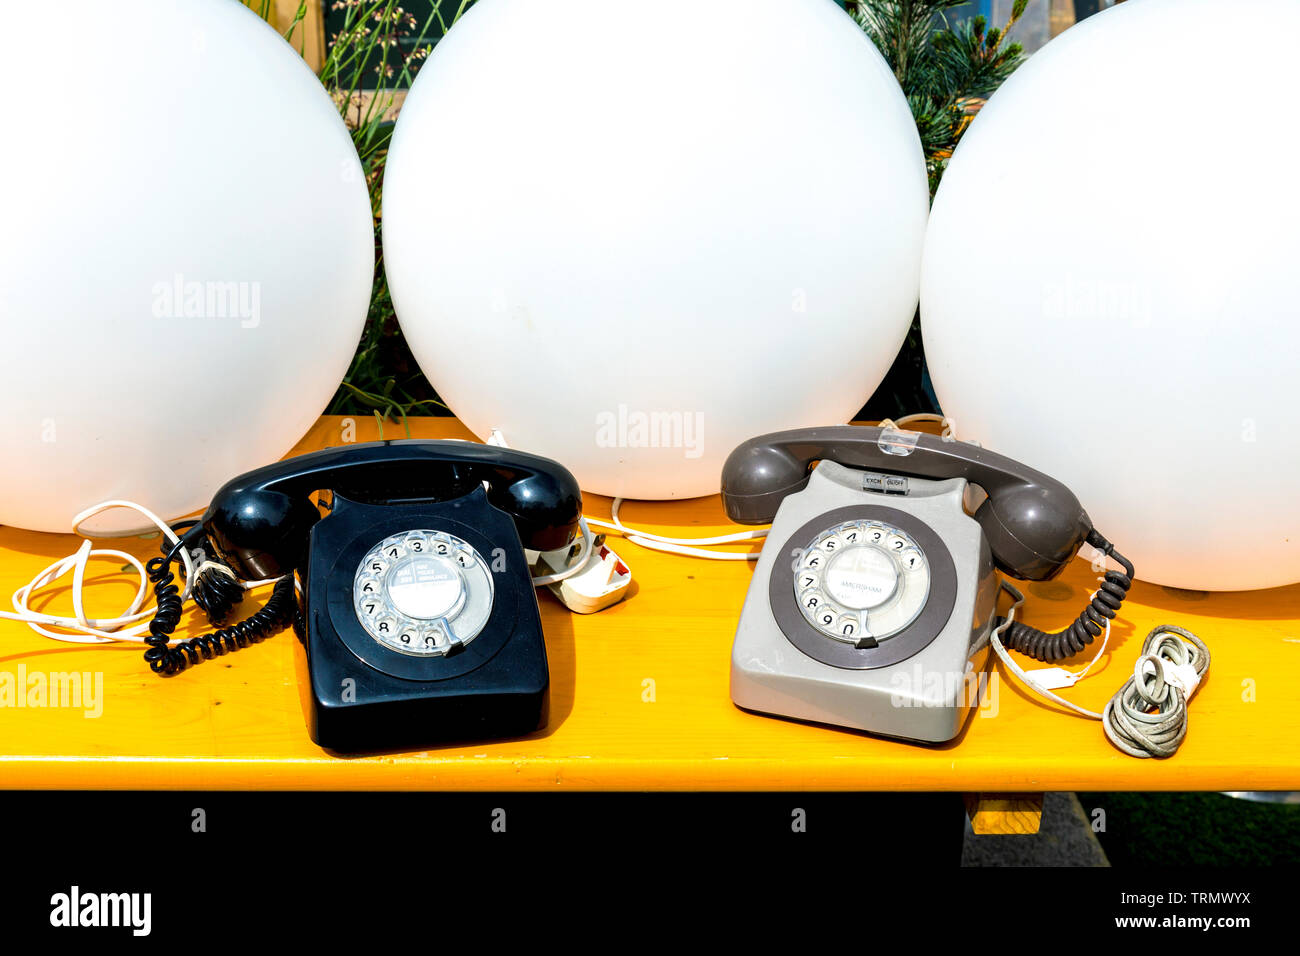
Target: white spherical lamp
{"x": 186, "y": 257}
{"x": 1108, "y": 289}
{"x": 631, "y": 239}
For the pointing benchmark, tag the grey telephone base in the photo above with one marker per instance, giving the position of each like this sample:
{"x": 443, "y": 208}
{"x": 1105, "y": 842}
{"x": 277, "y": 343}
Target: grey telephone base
{"x": 923, "y": 694}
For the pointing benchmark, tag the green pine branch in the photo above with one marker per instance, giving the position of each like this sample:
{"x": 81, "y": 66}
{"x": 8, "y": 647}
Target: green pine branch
{"x": 946, "y": 71}
{"x": 377, "y": 51}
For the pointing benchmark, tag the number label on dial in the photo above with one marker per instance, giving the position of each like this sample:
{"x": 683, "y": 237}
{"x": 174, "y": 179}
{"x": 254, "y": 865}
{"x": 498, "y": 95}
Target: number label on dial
{"x": 425, "y": 593}
{"x": 861, "y": 579}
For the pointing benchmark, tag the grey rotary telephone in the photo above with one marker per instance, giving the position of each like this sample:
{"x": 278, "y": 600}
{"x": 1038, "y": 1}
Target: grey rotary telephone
{"x": 873, "y": 601}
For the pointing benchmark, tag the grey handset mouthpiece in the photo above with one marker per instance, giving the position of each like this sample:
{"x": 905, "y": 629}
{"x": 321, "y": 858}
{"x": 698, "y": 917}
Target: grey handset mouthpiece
{"x": 1033, "y": 523}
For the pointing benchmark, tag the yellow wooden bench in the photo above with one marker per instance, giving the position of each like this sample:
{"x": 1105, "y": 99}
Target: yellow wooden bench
{"x": 640, "y": 698}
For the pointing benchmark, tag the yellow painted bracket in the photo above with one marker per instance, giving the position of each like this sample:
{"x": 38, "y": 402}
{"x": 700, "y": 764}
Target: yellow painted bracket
{"x": 1004, "y": 813}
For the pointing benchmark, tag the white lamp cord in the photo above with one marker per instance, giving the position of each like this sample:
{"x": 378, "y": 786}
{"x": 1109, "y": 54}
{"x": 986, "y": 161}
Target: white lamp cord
{"x": 132, "y": 625}
{"x": 692, "y": 547}
{"x": 646, "y": 539}
{"x": 687, "y": 546}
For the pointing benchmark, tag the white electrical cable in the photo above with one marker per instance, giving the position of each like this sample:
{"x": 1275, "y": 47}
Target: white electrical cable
{"x": 996, "y": 640}
{"x": 1148, "y": 716}
{"x": 692, "y": 547}
{"x": 132, "y": 625}
{"x": 906, "y": 420}
{"x": 646, "y": 539}
{"x": 88, "y": 630}
{"x": 686, "y": 546}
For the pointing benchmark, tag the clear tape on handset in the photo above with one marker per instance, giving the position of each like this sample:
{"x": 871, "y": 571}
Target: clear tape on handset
{"x": 896, "y": 441}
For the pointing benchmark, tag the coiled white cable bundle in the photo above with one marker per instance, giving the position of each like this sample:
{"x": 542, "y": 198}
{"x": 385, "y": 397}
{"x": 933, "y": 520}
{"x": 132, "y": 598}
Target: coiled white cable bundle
{"x": 132, "y": 625}
{"x": 1148, "y": 717}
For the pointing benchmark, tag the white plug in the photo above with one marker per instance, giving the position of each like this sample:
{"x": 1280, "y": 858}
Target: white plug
{"x": 604, "y": 579}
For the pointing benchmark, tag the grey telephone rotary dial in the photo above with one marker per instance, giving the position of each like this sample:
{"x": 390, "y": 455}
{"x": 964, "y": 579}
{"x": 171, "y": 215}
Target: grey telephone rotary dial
{"x": 861, "y": 581}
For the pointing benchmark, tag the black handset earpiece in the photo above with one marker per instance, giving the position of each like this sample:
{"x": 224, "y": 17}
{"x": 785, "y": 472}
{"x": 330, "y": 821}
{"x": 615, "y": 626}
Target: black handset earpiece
{"x": 260, "y": 533}
{"x": 546, "y": 505}
{"x": 280, "y": 610}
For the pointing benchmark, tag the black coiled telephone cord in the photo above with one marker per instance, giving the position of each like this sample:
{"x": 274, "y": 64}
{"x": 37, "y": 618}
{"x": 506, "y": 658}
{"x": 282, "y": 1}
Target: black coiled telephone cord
{"x": 1050, "y": 648}
{"x": 218, "y": 598}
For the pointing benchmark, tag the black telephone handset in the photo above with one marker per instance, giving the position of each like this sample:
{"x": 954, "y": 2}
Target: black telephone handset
{"x": 888, "y": 568}
{"x": 419, "y": 618}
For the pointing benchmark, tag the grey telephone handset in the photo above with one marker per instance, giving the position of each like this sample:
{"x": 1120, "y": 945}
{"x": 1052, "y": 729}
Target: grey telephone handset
{"x": 873, "y": 600}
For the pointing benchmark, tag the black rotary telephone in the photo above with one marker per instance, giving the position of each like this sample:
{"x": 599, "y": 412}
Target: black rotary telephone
{"x": 419, "y": 617}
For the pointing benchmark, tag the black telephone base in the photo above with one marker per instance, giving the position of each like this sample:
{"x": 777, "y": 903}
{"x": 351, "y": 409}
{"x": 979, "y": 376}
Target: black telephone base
{"x": 363, "y": 696}
{"x": 385, "y": 723}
